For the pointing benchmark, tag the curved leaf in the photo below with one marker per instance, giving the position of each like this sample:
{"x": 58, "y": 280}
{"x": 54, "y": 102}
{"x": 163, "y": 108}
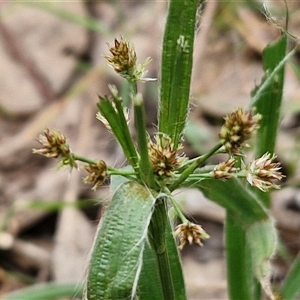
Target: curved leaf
{"x": 118, "y": 250}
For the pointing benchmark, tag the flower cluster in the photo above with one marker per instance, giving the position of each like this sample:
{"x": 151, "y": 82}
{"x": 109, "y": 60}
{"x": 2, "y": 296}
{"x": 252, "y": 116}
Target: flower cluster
{"x": 123, "y": 61}
{"x": 97, "y": 174}
{"x": 123, "y": 58}
{"x": 262, "y": 172}
{"x": 239, "y": 126}
{"x": 189, "y": 232}
{"x": 165, "y": 159}
{"x": 54, "y": 145}
{"x": 225, "y": 170}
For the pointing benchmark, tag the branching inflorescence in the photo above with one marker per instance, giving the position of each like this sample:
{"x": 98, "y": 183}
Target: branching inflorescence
{"x": 168, "y": 164}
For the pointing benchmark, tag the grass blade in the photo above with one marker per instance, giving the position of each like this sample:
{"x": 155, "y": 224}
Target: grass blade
{"x": 268, "y": 102}
{"x": 239, "y": 274}
{"x": 291, "y": 287}
{"x": 119, "y": 127}
{"x": 49, "y": 291}
{"x": 250, "y": 237}
{"x": 177, "y": 67}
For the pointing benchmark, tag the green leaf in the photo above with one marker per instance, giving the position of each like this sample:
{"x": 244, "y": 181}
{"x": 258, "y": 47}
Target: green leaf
{"x": 268, "y": 99}
{"x": 232, "y": 195}
{"x": 250, "y": 236}
{"x": 261, "y": 242}
{"x": 49, "y": 291}
{"x": 291, "y": 287}
{"x": 268, "y": 102}
{"x": 119, "y": 127}
{"x": 176, "y": 67}
{"x": 118, "y": 250}
{"x": 117, "y": 180}
{"x": 241, "y": 283}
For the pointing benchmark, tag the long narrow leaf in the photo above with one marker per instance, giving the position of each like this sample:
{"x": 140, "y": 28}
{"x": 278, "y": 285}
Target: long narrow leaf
{"x": 239, "y": 273}
{"x": 176, "y": 67}
{"x": 291, "y": 287}
{"x": 49, "y": 291}
{"x": 231, "y": 194}
{"x": 268, "y": 103}
{"x": 118, "y": 250}
{"x": 119, "y": 128}
{"x": 254, "y": 230}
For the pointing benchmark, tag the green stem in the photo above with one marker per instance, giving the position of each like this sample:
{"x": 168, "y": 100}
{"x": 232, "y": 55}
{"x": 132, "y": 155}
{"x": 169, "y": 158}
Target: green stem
{"x": 157, "y": 238}
{"x": 176, "y": 206}
{"x": 145, "y": 165}
{"x": 84, "y": 159}
{"x": 132, "y": 87}
{"x": 111, "y": 171}
{"x": 190, "y": 169}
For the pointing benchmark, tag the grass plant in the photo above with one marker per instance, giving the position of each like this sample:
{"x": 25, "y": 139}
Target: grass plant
{"x": 135, "y": 253}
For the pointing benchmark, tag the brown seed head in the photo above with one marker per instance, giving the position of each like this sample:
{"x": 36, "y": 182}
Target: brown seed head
{"x": 225, "y": 170}
{"x": 97, "y": 174}
{"x": 190, "y": 233}
{"x": 165, "y": 159}
{"x": 123, "y": 58}
{"x": 239, "y": 126}
{"x": 54, "y": 145}
{"x": 262, "y": 172}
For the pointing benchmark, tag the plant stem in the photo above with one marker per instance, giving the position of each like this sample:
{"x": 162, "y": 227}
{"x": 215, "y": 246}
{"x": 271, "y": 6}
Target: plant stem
{"x": 157, "y": 238}
{"x": 145, "y": 165}
{"x": 111, "y": 171}
{"x": 176, "y": 206}
{"x": 132, "y": 87}
{"x": 190, "y": 169}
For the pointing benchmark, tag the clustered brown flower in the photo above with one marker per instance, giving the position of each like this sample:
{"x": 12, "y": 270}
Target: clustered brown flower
{"x": 225, "y": 170}
{"x": 262, "y": 172}
{"x": 239, "y": 126}
{"x": 54, "y": 145}
{"x": 97, "y": 174}
{"x": 165, "y": 159}
{"x": 189, "y": 232}
{"x": 123, "y": 58}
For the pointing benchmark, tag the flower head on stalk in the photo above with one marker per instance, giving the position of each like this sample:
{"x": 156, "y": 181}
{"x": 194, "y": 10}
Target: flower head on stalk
{"x": 54, "y": 145}
{"x": 123, "y": 60}
{"x": 165, "y": 159}
{"x": 239, "y": 126}
{"x": 225, "y": 170}
{"x": 97, "y": 174}
{"x": 189, "y": 232}
{"x": 262, "y": 172}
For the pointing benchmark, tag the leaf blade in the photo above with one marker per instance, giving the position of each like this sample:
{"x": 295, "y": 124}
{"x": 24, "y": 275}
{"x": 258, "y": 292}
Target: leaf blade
{"x": 119, "y": 245}
{"x": 176, "y": 67}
